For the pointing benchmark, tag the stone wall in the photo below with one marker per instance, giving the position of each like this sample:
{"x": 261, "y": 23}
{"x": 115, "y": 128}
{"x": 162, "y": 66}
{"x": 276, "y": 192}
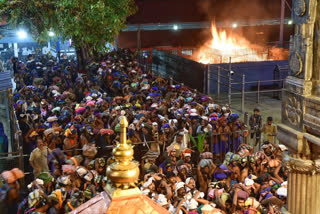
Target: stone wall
{"x": 312, "y": 116}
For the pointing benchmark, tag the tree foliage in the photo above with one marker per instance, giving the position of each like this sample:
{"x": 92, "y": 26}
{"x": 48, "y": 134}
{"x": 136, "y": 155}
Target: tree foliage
{"x": 89, "y": 23}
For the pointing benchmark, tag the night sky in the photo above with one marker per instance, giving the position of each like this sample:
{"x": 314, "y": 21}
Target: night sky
{"x": 166, "y": 11}
{"x": 171, "y": 11}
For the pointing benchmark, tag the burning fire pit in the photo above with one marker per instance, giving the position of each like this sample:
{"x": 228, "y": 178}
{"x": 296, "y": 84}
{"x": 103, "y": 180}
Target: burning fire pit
{"x": 222, "y": 47}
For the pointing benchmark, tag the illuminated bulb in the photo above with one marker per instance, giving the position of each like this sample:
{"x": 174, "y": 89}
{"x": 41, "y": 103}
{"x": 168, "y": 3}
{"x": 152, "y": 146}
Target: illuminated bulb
{"x": 175, "y": 27}
{"x": 290, "y": 22}
{"x": 51, "y": 33}
{"x": 234, "y": 25}
{"x": 22, "y": 34}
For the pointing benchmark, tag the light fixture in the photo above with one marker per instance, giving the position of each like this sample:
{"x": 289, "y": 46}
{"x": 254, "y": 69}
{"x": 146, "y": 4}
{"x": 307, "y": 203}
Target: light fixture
{"x": 290, "y": 22}
{"x": 175, "y": 27}
{"x": 22, "y": 34}
{"x": 234, "y": 25}
{"x": 51, "y": 33}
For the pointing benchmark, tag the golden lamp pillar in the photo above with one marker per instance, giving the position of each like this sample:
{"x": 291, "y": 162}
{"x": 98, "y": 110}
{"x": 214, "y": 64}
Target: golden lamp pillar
{"x": 300, "y": 127}
{"x": 121, "y": 195}
{"x": 123, "y": 173}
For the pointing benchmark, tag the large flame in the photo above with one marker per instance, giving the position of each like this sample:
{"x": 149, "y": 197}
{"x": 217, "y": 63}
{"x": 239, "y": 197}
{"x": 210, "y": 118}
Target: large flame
{"x": 223, "y": 48}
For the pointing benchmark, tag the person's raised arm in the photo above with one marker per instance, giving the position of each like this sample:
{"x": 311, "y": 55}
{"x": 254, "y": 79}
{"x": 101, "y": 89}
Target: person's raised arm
{"x": 276, "y": 174}
{"x": 203, "y": 184}
{"x": 218, "y": 197}
{"x": 199, "y": 174}
{"x": 213, "y": 168}
{"x": 235, "y": 200}
{"x": 180, "y": 206}
{"x": 168, "y": 189}
{"x": 256, "y": 187}
{"x": 200, "y": 200}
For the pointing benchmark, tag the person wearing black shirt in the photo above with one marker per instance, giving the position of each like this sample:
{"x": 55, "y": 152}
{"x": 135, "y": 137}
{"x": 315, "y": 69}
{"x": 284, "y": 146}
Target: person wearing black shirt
{"x": 255, "y": 123}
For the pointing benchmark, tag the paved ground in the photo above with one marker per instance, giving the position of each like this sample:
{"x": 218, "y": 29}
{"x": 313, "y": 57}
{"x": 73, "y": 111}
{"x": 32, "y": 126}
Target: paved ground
{"x": 268, "y": 106}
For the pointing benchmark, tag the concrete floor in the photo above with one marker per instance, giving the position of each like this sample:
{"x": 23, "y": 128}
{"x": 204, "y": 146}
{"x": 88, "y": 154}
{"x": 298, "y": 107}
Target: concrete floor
{"x": 268, "y": 107}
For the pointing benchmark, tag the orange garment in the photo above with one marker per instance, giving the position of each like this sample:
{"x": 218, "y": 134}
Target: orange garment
{"x": 72, "y": 142}
{"x": 59, "y": 194}
{"x": 71, "y": 207}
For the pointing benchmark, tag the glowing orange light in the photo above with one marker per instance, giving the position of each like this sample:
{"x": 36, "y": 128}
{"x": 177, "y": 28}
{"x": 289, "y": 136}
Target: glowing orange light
{"x": 223, "y": 46}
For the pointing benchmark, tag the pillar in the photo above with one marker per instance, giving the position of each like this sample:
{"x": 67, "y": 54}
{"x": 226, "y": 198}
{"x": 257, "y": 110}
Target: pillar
{"x": 303, "y": 194}
{"x": 15, "y": 49}
{"x": 300, "y": 126}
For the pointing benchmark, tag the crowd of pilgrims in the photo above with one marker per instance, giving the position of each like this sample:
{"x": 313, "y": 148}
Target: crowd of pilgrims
{"x": 191, "y": 151}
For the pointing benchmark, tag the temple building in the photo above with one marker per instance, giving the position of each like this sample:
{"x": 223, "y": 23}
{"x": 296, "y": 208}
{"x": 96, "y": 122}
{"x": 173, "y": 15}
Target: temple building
{"x": 300, "y": 128}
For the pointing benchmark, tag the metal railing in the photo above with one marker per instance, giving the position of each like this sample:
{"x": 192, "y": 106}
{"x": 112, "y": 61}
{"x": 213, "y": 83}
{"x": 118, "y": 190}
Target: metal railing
{"x": 229, "y": 81}
{"x": 17, "y": 159}
{"x": 18, "y": 155}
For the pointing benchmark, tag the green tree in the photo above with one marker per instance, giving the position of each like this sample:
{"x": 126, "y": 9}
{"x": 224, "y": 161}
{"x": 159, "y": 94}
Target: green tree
{"x": 89, "y": 23}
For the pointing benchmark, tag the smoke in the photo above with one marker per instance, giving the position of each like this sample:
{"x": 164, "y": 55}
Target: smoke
{"x": 231, "y": 11}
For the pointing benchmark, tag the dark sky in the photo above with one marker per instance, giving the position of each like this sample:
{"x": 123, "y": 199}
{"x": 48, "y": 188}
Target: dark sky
{"x": 171, "y": 11}
{"x": 166, "y": 11}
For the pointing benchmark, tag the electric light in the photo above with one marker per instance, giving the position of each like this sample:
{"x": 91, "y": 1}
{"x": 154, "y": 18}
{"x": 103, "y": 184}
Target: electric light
{"x": 22, "y": 34}
{"x": 51, "y": 33}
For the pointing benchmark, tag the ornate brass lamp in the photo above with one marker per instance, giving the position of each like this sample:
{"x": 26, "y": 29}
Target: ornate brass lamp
{"x": 121, "y": 195}
{"x": 123, "y": 173}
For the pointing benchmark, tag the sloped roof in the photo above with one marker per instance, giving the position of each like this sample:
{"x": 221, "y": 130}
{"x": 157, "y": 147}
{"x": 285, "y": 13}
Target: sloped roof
{"x": 98, "y": 204}
{"x": 5, "y": 81}
{"x": 131, "y": 204}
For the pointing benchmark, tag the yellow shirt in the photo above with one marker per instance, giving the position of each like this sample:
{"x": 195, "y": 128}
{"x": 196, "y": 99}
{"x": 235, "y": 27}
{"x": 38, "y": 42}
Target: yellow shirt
{"x": 269, "y": 131}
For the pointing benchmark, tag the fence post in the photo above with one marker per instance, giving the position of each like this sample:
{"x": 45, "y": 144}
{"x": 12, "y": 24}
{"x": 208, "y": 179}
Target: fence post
{"x": 205, "y": 81}
{"x": 229, "y": 89}
{"x": 211, "y": 142}
{"x": 246, "y": 123}
{"x": 258, "y": 92}
{"x": 208, "y": 79}
{"x": 21, "y": 163}
{"x": 218, "y": 83}
{"x": 243, "y": 92}
{"x": 139, "y": 43}
{"x": 229, "y": 83}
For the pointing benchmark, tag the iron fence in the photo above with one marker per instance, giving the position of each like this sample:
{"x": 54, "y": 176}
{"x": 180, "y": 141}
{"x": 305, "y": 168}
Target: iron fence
{"x": 15, "y": 159}
{"x": 236, "y": 84}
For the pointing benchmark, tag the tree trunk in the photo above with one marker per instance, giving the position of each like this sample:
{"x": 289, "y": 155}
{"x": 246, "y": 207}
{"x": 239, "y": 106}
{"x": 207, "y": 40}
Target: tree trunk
{"x": 81, "y": 59}
{"x": 84, "y": 56}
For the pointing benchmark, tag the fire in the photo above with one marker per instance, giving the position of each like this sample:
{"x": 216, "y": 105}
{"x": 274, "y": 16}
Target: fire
{"x": 223, "y": 47}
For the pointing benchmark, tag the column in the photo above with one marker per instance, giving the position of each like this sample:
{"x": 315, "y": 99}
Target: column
{"x": 15, "y": 49}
